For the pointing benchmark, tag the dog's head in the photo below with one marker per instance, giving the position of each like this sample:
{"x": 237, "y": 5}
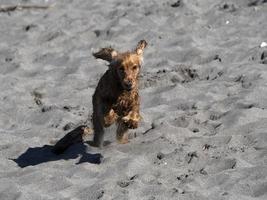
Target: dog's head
{"x": 126, "y": 65}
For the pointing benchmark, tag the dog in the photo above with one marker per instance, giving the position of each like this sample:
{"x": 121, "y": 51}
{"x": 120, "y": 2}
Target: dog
{"x": 116, "y": 97}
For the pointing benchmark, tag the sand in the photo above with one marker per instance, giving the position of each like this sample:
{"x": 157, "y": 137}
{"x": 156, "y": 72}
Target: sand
{"x": 204, "y": 100}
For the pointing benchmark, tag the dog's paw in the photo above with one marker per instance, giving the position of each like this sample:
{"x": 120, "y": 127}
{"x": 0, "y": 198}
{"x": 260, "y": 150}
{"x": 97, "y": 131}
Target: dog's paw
{"x": 123, "y": 140}
{"x": 130, "y": 123}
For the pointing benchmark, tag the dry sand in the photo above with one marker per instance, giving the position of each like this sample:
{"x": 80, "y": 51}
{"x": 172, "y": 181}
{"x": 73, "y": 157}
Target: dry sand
{"x": 203, "y": 89}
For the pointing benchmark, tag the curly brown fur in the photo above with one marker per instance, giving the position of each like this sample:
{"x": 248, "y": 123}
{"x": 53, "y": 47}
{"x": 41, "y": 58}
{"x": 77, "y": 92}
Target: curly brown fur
{"x": 116, "y": 97}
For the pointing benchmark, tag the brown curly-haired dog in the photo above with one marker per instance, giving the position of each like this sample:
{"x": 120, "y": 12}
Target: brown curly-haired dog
{"x": 116, "y": 96}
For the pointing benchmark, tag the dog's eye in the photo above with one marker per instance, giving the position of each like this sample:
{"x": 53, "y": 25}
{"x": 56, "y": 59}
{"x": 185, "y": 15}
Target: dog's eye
{"x": 135, "y": 67}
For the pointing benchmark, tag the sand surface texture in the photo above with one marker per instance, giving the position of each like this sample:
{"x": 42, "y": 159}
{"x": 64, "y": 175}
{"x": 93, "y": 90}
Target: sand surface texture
{"x": 204, "y": 100}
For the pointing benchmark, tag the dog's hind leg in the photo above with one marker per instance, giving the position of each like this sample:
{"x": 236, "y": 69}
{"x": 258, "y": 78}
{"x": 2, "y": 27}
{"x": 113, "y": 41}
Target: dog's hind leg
{"x": 122, "y": 132}
{"x": 98, "y": 129}
{"x": 98, "y": 122}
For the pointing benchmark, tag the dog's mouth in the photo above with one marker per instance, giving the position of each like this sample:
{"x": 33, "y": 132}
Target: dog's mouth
{"x": 127, "y": 86}
{"x": 128, "y": 89}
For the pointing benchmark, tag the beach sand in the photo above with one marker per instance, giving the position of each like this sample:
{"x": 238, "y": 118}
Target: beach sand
{"x": 203, "y": 92}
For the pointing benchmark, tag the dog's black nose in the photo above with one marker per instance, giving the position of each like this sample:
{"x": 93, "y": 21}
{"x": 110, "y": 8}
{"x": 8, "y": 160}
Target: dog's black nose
{"x": 128, "y": 85}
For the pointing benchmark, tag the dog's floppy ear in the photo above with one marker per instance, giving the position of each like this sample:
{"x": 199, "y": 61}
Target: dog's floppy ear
{"x": 140, "y": 47}
{"x": 107, "y": 54}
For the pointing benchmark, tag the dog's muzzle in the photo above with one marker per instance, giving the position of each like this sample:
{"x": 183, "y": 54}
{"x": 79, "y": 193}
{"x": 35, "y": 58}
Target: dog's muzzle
{"x": 128, "y": 85}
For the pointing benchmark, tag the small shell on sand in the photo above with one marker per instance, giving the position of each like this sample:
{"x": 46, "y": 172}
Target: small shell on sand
{"x": 263, "y": 44}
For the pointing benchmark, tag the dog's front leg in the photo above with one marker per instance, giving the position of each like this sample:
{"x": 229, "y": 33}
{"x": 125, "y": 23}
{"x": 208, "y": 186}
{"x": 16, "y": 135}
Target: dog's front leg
{"x": 122, "y": 132}
{"x": 131, "y": 120}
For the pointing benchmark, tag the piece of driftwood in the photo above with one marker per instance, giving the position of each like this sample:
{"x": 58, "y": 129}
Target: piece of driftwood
{"x": 9, "y": 8}
{"x": 74, "y": 136}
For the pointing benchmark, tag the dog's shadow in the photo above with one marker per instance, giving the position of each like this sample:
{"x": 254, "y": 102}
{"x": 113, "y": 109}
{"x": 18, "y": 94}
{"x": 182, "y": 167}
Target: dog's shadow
{"x": 38, "y": 155}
